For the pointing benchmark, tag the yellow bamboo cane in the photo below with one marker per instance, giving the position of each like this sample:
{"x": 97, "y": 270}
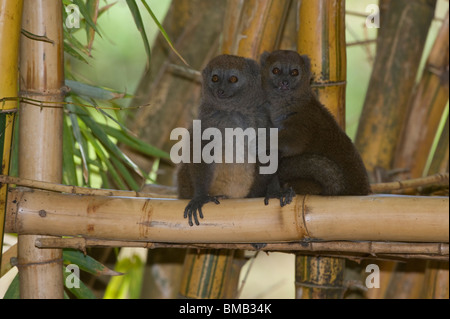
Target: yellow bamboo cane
{"x": 426, "y": 110}
{"x": 10, "y": 22}
{"x": 354, "y": 218}
{"x": 40, "y": 134}
{"x": 322, "y": 37}
{"x": 399, "y": 46}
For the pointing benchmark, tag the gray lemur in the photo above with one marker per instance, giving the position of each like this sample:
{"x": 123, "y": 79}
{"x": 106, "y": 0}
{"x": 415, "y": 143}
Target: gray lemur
{"x": 232, "y": 97}
{"x": 316, "y": 155}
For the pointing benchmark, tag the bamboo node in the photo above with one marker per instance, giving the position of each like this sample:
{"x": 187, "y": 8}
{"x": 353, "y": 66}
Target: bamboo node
{"x": 302, "y": 229}
{"x": 8, "y": 111}
{"x": 46, "y": 262}
{"x": 320, "y": 286}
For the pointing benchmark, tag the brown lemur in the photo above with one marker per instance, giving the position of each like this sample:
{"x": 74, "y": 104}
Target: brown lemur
{"x": 232, "y": 97}
{"x": 315, "y": 155}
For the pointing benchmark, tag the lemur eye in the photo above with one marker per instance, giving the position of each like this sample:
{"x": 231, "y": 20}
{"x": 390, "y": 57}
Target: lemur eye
{"x": 294, "y": 72}
{"x": 215, "y": 78}
{"x": 233, "y": 79}
{"x": 276, "y": 71}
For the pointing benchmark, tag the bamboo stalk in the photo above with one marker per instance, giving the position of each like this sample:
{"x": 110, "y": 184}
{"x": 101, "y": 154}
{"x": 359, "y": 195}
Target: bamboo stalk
{"x": 387, "y": 269}
{"x": 436, "y": 281}
{"x": 40, "y": 134}
{"x": 319, "y": 277}
{"x": 424, "y": 114}
{"x": 8, "y": 256}
{"x": 253, "y": 26}
{"x": 159, "y": 191}
{"x": 155, "y": 191}
{"x": 387, "y": 218}
{"x": 439, "y": 163}
{"x": 290, "y": 30}
{"x": 208, "y": 270}
{"x": 373, "y": 249}
{"x": 407, "y": 281}
{"x": 10, "y": 22}
{"x": 426, "y": 109}
{"x": 322, "y": 37}
{"x": 392, "y": 80}
{"x": 437, "y": 179}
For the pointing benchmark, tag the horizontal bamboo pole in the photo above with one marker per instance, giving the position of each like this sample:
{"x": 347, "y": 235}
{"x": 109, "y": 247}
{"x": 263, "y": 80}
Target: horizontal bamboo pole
{"x": 160, "y": 191}
{"x": 371, "y": 249}
{"x": 150, "y": 190}
{"x": 437, "y": 179}
{"x": 373, "y": 218}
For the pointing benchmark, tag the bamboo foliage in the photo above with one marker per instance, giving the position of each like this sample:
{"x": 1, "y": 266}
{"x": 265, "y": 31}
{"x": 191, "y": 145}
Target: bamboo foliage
{"x": 10, "y": 22}
{"x": 40, "y": 135}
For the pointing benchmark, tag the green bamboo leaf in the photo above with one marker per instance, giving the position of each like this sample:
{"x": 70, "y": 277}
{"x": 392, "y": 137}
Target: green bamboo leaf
{"x": 81, "y": 142}
{"x": 104, "y": 159}
{"x": 71, "y": 40}
{"x": 95, "y": 92}
{"x": 81, "y": 292}
{"x": 129, "y": 285}
{"x": 105, "y": 180}
{"x": 68, "y": 49}
{"x": 87, "y": 17}
{"x": 107, "y": 115}
{"x": 87, "y": 263}
{"x": 13, "y": 291}
{"x": 105, "y": 8}
{"x": 104, "y": 139}
{"x": 91, "y": 6}
{"x": 125, "y": 174}
{"x": 140, "y": 26}
{"x": 69, "y": 168}
{"x": 163, "y": 32}
{"x": 134, "y": 142}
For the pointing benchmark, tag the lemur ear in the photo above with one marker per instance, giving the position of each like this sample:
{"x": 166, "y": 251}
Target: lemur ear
{"x": 307, "y": 62}
{"x": 206, "y": 72}
{"x": 253, "y": 66}
{"x": 307, "y": 67}
{"x": 263, "y": 58}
